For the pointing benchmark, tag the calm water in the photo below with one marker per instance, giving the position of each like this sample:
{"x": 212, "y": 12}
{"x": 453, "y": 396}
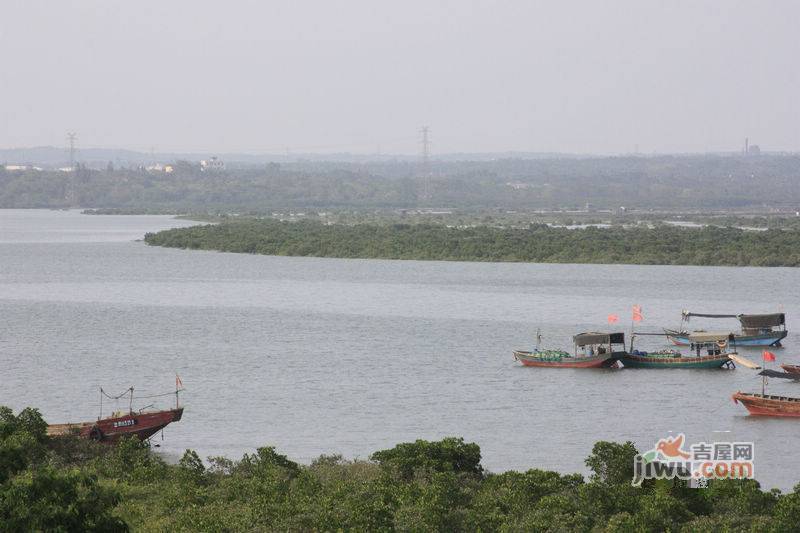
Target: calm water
{"x": 350, "y": 356}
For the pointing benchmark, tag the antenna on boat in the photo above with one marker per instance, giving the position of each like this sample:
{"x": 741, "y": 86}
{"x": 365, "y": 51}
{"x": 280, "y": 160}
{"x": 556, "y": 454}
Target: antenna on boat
{"x": 130, "y": 405}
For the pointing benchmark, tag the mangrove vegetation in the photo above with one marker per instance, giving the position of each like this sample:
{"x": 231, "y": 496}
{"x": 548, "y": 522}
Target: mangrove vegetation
{"x": 69, "y": 484}
{"x": 540, "y": 243}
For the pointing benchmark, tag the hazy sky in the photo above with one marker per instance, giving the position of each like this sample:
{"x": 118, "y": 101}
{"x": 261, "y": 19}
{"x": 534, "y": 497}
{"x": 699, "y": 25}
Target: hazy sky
{"x": 266, "y": 76}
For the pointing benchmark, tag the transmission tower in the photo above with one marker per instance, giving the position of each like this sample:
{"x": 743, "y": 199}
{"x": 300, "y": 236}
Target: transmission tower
{"x": 426, "y": 145}
{"x": 71, "y": 137}
{"x": 426, "y": 156}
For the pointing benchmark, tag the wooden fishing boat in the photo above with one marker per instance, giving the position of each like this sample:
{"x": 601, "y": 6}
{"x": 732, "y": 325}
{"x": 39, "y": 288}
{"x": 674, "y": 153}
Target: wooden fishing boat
{"x": 768, "y": 405}
{"x": 756, "y": 330}
{"x": 791, "y": 369}
{"x": 709, "y": 353}
{"x": 141, "y": 424}
{"x": 596, "y": 351}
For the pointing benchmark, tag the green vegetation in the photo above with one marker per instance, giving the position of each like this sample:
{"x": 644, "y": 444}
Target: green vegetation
{"x": 659, "y": 245}
{"x": 68, "y": 484}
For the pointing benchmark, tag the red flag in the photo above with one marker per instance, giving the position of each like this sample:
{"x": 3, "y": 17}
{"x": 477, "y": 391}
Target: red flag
{"x": 637, "y": 313}
{"x": 178, "y": 382}
{"x": 768, "y": 356}
{"x": 613, "y": 319}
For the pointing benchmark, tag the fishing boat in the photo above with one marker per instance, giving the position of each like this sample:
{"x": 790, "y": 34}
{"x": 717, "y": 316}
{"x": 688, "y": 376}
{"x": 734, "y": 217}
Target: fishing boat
{"x": 709, "y": 349}
{"x": 756, "y": 330}
{"x": 141, "y": 424}
{"x": 768, "y": 404}
{"x": 596, "y": 350}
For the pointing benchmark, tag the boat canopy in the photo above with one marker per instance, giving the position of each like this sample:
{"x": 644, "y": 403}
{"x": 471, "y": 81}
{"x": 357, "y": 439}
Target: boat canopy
{"x": 762, "y": 321}
{"x": 586, "y": 339}
{"x": 710, "y": 336}
{"x": 747, "y": 321}
{"x": 687, "y": 315}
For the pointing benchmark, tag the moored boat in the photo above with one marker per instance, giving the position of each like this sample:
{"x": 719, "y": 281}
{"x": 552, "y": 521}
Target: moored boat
{"x": 768, "y": 404}
{"x": 596, "y": 350}
{"x": 709, "y": 349}
{"x": 756, "y": 330}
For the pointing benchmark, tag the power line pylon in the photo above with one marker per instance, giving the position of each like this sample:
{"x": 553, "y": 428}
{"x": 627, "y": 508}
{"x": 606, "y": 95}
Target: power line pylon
{"x": 426, "y": 157}
{"x": 71, "y": 137}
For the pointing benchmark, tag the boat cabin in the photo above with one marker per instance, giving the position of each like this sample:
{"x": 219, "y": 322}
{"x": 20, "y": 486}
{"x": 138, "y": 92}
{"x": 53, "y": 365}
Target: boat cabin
{"x": 595, "y": 343}
{"x": 710, "y": 343}
{"x": 762, "y": 324}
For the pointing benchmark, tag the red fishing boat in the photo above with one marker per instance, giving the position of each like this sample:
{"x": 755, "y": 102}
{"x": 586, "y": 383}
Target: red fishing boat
{"x": 596, "y": 351}
{"x": 141, "y": 424}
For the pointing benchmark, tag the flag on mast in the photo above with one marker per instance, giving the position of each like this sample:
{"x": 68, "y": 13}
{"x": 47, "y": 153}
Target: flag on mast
{"x": 637, "y": 313}
{"x": 768, "y": 356}
{"x": 613, "y": 319}
{"x": 178, "y": 382}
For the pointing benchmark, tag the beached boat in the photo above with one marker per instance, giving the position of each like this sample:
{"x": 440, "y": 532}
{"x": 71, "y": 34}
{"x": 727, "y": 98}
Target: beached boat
{"x": 592, "y": 350}
{"x": 141, "y": 424}
{"x": 709, "y": 349}
{"x": 756, "y": 330}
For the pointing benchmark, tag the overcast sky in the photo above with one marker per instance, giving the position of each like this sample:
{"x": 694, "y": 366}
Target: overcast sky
{"x": 361, "y": 76}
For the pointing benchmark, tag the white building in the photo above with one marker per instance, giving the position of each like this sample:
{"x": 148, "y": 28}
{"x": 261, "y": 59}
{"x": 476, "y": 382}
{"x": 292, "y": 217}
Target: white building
{"x": 212, "y": 165}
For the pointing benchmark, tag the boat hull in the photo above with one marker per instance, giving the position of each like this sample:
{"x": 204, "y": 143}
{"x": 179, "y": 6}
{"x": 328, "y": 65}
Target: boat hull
{"x": 767, "y": 405}
{"x": 643, "y": 361}
{"x": 766, "y": 339}
{"x": 110, "y": 430}
{"x": 597, "y": 361}
{"x": 792, "y": 369}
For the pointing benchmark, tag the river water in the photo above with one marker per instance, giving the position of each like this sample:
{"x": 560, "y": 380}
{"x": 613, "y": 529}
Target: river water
{"x": 350, "y": 356}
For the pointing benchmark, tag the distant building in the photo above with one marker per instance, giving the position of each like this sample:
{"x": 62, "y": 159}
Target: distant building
{"x": 158, "y": 167}
{"x": 212, "y": 165}
{"x": 21, "y": 168}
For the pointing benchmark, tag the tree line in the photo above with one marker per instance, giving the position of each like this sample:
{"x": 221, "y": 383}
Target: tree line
{"x": 664, "y": 182}
{"x": 72, "y": 484}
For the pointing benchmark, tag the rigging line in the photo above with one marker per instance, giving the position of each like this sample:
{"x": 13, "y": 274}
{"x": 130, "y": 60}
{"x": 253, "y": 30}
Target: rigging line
{"x": 159, "y": 395}
{"x": 127, "y": 391}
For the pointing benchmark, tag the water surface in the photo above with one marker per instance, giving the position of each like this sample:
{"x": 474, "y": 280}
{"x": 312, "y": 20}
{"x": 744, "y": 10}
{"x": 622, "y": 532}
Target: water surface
{"x": 350, "y": 356}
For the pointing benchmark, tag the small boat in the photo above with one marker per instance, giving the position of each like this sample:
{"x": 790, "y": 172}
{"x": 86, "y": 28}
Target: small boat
{"x": 756, "y": 330}
{"x": 141, "y": 424}
{"x": 791, "y": 369}
{"x": 597, "y": 350}
{"x": 768, "y": 405}
{"x": 714, "y": 356}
